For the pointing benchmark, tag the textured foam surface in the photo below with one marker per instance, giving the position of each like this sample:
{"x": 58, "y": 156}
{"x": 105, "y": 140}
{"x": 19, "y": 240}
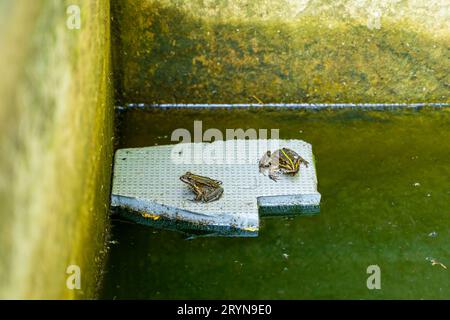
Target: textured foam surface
{"x": 146, "y": 180}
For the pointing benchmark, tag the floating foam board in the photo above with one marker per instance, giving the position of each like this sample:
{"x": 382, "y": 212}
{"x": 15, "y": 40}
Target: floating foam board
{"x": 147, "y": 189}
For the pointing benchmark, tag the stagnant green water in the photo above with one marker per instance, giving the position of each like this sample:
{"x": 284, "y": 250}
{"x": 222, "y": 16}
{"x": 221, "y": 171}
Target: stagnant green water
{"x": 384, "y": 180}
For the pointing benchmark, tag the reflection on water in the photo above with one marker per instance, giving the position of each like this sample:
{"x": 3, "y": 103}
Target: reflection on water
{"x": 383, "y": 177}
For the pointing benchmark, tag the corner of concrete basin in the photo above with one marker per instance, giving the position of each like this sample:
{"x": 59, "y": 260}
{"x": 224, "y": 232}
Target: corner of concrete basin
{"x": 56, "y": 138}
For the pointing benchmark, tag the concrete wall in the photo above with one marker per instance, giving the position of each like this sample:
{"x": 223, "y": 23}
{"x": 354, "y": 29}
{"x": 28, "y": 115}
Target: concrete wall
{"x": 232, "y": 51}
{"x": 56, "y": 124}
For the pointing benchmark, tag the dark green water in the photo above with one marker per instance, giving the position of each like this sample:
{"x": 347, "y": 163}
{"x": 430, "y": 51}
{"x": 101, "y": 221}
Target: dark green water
{"x": 384, "y": 180}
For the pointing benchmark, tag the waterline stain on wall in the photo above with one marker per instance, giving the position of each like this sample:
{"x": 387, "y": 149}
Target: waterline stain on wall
{"x": 56, "y": 146}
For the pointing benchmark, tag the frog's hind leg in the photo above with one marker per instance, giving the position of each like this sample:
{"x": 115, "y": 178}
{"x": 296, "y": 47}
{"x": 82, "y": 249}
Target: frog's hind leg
{"x": 306, "y": 163}
{"x": 214, "y": 195}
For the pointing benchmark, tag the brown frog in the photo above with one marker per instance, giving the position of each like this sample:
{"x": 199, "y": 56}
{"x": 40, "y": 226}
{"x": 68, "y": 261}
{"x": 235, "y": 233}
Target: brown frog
{"x": 205, "y": 189}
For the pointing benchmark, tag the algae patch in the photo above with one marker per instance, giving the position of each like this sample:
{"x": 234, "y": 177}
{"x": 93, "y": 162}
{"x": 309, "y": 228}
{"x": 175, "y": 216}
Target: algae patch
{"x": 56, "y": 148}
{"x": 171, "y": 52}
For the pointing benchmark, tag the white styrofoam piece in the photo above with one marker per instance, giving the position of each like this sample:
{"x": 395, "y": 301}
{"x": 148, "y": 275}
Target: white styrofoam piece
{"x": 146, "y": 180}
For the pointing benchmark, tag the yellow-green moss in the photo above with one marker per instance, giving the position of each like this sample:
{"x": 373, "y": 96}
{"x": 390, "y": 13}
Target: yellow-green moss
{"x": 244, "y": 51}
{"x": 56, "y": 144}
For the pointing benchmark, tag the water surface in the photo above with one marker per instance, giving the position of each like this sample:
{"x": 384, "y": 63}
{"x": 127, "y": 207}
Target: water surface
{"x": 384, "y": 180}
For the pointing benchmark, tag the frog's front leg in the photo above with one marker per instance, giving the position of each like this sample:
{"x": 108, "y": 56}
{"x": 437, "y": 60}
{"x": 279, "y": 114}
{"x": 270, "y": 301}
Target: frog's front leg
{"x": 273, "y": 173}
{"x": 198, "y": 193}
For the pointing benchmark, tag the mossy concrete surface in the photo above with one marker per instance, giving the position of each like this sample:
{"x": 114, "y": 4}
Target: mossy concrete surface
{"x": 308, "y": 51}
{"x": 56, "y": 125}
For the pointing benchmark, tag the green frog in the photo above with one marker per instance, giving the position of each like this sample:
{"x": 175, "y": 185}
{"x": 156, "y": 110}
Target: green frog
{"x": 205, "y": 189}
{"x": 282, "y": 160}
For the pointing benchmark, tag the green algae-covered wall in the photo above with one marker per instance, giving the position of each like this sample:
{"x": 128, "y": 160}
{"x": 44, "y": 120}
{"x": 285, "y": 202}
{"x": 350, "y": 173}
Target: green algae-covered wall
{"x": 222, "y": 51}
{"x": 56, "y": 145}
